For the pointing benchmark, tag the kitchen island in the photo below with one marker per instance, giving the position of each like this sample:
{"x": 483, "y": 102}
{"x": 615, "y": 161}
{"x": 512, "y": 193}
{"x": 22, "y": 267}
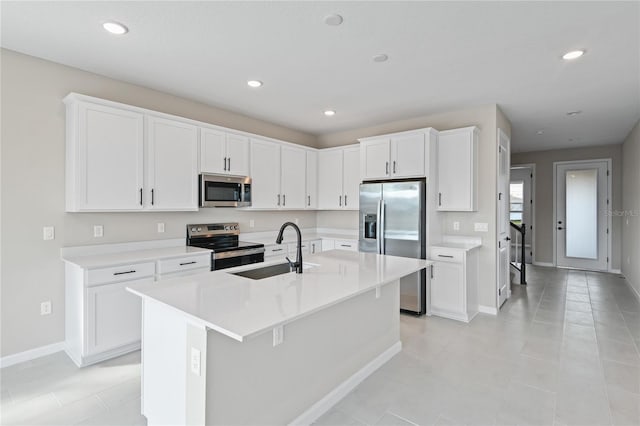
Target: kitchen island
{"x": 220, "y": 348}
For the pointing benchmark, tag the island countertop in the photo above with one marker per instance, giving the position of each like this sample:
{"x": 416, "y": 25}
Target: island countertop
{"x": 240, "y": 307}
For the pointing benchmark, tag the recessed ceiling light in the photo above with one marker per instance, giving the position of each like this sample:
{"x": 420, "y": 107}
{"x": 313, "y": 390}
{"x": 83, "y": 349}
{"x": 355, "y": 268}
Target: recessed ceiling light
{"x": 539, "y": 132}
{"x": 381, "y": 57}
{"x": 254, "y": 83}
{"x": 329, "y": 113}
{"x": 574, "y": 113}
{"x": 115, "y": 28}
{"x": 574, "y": 54}
{"x": 333, "y": 20}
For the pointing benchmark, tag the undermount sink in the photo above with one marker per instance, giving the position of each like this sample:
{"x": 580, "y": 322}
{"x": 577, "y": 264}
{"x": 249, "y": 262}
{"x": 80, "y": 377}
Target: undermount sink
{"x": 269, "y": 271}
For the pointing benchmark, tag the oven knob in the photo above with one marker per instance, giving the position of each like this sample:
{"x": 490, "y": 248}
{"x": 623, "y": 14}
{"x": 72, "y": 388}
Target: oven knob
{"x": 199, "y": 229}
{"x": 193, "y": 229}
{"x": 235, "y": 227}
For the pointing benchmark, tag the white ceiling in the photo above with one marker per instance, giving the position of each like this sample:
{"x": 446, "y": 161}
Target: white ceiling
{"x": 443, "y": 56}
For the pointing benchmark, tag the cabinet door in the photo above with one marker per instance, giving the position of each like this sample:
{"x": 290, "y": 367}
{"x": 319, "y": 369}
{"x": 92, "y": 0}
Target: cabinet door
{"x": 351, "y": 182}
{"x": 407, "y": 156}
{"x": 212, "y": 151}
{"x": 265, "y": 174}
{"x": 447, "y": 288}
{"x": 312, "y": 180}
{"x": 455, "y": 170}
{"x": 292, "y": 183}
{"x": 328, "y": 244}
{"x": 110, "y": 159}
{"x": 113, "y": 316}
{"x": 172, "y": 165}
{"x": 375, "y": 159}
{"x": 330, "y": 179}
{"x": 315, "y": 246}
{"x": 237, "y": 155}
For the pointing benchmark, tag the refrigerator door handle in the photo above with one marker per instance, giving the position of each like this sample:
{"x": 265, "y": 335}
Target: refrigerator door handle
{"x": 381, "y": 227}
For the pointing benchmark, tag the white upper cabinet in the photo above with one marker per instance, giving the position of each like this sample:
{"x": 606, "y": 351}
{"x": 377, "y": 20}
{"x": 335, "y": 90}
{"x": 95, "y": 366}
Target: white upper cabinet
{"x": 104, "y": 158}
{"x": 223, "y": 153}
{"x": 293, "y": 165}
{"x": 457, "y": 169}
{"x": 399, "y": 155}
{"x": 312, "y": 180}
{"x": 265, "y": 174}
{"x": 121, "y": 158}
{"x": 339, "y": 178}
{"x": 172, "y": 165}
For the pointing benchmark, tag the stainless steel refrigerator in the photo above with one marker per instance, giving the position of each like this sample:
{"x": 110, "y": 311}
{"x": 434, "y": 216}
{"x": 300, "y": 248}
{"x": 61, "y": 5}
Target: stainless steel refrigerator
{"x": 393, "y": 222}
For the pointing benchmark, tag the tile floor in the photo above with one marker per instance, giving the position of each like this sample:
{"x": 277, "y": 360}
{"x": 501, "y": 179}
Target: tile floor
{"x": 563, "y": 351}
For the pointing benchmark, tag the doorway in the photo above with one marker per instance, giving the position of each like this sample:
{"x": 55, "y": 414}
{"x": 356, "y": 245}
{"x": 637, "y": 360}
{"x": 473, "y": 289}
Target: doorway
{"x": 503, "y": 228}
{"x": 581, "y": 225}
{"x": 522, "y": 205}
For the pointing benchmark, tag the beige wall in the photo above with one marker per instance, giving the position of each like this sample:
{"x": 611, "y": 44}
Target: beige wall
{"x": 543, "y": 182}
{"x": 631, "y": 208}
{"x": 33, "y": 144}
{"x": 487, "y": 118}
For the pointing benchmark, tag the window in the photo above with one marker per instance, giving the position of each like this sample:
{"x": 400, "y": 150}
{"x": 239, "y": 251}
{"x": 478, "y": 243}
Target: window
{"x": 516, "y": 201}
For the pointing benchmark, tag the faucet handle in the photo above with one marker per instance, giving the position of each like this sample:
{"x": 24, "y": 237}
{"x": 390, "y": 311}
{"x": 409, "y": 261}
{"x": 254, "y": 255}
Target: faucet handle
{"x": 292, "y": 265}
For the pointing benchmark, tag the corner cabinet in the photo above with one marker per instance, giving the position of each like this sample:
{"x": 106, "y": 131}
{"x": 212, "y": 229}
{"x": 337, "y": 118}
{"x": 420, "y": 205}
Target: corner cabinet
{"x": 121, "y": 158}
{"x": 395, "y": 156}
{"x": 457, "y": 154}
{"x": 339, "y": 178}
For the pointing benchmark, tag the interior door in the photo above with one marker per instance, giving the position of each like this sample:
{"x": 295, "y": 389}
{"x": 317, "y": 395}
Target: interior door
{"x": 503, "y": 226}
{"x": 581, "y": 224}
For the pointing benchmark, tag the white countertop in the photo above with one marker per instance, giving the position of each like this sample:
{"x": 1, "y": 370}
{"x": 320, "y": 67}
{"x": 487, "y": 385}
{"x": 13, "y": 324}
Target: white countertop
{"x": 290, "y": 237}
{"x": 133, "y": 256}
{"x": 466, "y": 246}
{"x": 241, "y": 307}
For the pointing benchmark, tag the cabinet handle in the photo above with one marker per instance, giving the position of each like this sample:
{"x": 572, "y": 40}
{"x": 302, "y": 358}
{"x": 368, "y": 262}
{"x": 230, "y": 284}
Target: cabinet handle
{"x": 308, "y": 200}
{"x": 313, "y": 248}
{"x": 276, "y": 250}
{"x": 431, "y": 271}
{"x": 394, "y": 167}
{"x": 340, "y": 200}
{"x": 229, "y": 164}
{"x": 224, "y": 164}
{"x": 140, "y": 196}
{"x": 284, "y": 200}
{"x": 439, "y": 198}
{"x": 126, "y": 272}
{"x": 345, "y": 245}
{"x": 386, "y": 168}
{"x": 445, "y": 255}
{"x": 187, "y": 263}
{"x": 278, "y": 199}
{"x": 345, "y": 200}
{"x": 152, "y": 197}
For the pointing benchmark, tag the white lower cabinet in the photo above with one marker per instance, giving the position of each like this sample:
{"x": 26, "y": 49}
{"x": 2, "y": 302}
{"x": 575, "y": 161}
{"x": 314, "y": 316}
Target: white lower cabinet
{"x": 350, "y": 245}
{"x": 454, "y": 283}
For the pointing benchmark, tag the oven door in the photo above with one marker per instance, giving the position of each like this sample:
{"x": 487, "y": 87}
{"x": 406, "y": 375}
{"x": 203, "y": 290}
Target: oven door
{"x": 229, "y": 259}
{"x": 224, "y": 191}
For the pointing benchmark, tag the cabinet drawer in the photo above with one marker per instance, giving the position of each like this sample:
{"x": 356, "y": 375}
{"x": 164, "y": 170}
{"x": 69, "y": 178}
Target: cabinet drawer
{"x": 186, "y": 263}
{"x": 351, "y": 245}
{"x": 446, "y": 255}
{"x": 113, "y": 274}
{"x": 275, "y": 250}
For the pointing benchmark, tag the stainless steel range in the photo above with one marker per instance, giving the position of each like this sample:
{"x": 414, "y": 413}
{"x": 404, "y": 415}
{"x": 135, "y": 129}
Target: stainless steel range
{"x": 222, "y": 238}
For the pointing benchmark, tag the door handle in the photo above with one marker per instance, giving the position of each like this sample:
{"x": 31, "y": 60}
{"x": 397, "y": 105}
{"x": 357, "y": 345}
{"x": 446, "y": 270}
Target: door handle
{"x": 439, "y": 198}
{"x": 386, "y": 168}
{"x": 394, "y": 167}
{"x": 340, "y": 200}
{"x": 508, "y": 238}
{"x": 140, "y": 196}
{"x": 284, "y": 200}
{"x": 278, "y": 199}
{"x": 560, "y": 228}
{"x": 152, "y": 196}
{"x": 308, "y": 200}
{"x": 345, "y": 200}
{"x": 431, "y": 271}
{"x": 224, "y": 164}
{"x": 229, "y": 164}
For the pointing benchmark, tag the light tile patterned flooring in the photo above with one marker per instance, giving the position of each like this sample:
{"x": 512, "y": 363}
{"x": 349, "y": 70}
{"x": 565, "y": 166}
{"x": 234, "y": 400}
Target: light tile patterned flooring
{"x": 563, "y": 351}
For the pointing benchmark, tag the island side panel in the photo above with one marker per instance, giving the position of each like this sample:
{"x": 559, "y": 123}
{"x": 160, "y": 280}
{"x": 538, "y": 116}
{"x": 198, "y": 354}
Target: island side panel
{"x": 253, "y": 382}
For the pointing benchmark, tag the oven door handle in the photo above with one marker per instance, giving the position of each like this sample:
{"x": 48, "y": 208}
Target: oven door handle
{"x": 237, "y": 253}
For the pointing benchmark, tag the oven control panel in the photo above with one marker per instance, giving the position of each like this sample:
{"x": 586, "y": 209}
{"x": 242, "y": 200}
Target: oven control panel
{"x": 208, "y": 229}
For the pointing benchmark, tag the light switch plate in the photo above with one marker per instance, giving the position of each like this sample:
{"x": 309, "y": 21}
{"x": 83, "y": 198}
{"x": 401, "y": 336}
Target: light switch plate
{"x": 45, "y": 308}
{"x": 48, "y": 233}
{"x": 456, "y": 226}
{"x": 98, "y": 231}
{"x": 278, "y": 335}
{"x": 160, "y": 227}
{"x": 481, "y": 227}
{"x": 252, "y": 223}
{"x": 195, "y": 361}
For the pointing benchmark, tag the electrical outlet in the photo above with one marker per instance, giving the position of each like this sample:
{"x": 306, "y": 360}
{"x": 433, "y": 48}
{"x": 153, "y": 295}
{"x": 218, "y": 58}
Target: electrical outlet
{"x": 481, "y": 227}
{"x": 278, "y": 335}
{"x": 98, "y": 231}
{"x": 160, "y": 227}
{"x": 252, "y": 223}
{"x": 456, "y": 226}
{"x": 195, "y": 361}
{"x": 48, "y": 233}
{"x": 45, "y": 308}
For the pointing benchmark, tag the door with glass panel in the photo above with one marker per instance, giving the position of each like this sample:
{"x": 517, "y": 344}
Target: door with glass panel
{"x": 581, "y": 220}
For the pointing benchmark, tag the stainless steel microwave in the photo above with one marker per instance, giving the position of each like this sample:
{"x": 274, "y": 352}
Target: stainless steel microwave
{"x": 224, "y": 191}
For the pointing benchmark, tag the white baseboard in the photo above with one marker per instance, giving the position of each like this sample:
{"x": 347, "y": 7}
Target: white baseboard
{"x": 635, "y": 291}
{"x": 340, "y": 391}
{"x": 615, "y": 271}
{"x": 487, "y": 310}
{"x": 546, "y": 264}
{"x": 34, "y": 353}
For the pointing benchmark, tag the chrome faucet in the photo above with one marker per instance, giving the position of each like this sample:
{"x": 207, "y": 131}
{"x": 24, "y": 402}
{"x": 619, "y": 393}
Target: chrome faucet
{"x": 294, "y": 265}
